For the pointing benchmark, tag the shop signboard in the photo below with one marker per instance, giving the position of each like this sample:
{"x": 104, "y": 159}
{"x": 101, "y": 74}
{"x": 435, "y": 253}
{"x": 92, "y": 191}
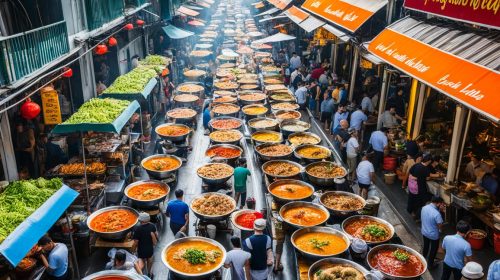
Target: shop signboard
{"x": 50, "y": 106}
{"x": 480, "y": 12}
{"x": 348, "y": 14}
{"x": 468, "y": 83}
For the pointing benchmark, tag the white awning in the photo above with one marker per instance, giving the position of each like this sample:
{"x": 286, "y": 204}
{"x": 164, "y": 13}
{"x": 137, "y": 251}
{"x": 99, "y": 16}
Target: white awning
{"x": 341, "y": 35}
{"x": 311, "y": 23}
{"x": 268, "y": 18}
{"x": 278, "y": 37}
{"x": 268, "y": 12}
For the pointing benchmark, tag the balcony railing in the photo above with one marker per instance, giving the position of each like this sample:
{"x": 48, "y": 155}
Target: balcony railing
{"x": 100, "y": 12}
{"x": 24, "y": 53}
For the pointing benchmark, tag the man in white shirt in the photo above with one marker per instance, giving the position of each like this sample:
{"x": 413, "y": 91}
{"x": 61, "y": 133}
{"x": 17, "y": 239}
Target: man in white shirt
{"x": 390, "y": 118}
{"x": 365, "y": 173}
{"x": 301, "y": 95}
{"x": 238, "y": 260}
{"x": 352, "y": 148}
{"x": 295, "y": 61}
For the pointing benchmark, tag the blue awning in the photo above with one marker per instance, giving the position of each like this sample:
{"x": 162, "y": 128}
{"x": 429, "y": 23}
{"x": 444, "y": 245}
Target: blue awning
{"x": 133, "y": 95}
{"x": 176, "y": 33}
{"x": 114, "y": 127}
{"x": 15, "y": 247}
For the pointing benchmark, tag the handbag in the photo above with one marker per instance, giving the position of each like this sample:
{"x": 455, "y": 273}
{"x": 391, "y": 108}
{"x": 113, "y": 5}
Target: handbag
{"x": 412, "y": 184}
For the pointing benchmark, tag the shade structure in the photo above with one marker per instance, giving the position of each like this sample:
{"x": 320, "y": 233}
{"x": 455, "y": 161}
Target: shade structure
{"x": 268, "y": 12}
{"x": 133, "y": 95}
{"x": 15, "y": 247}
{"x": 268, "y": 18}
{"x": 203, "y": 4}
{"x": 229, "y": 52}
{"x": 280, "y": 4}
{"x": 194, "y": 8}
{"x": 261, "y": 46}
{"x": 463, "y": 64}
{"x": 255, "y": 34}
{"x": 297, "y": 15}
{"x": 278, "y": 37}
{"x": 195, "y": 23}
{"x": 176, "y": 33}
{"x": 335, "y": 31}
{"x": 189, "y": 12}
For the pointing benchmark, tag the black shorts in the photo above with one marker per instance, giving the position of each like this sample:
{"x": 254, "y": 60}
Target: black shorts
{"x": 326, "y": 117}
{"x": 364, "y": 186}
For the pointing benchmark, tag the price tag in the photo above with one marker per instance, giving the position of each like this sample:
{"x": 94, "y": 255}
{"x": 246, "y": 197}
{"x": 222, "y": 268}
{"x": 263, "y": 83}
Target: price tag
{"x": 50, "y": 106}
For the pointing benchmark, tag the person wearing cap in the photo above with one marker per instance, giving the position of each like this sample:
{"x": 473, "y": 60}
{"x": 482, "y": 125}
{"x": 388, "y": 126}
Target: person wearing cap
{"x": 178, "y": 211}
{"x": 240, "y": 182}
{"x": 472, "y": 271}
{"x": 145, "y": 238}
{"x": 365, "y": 174}
{"x": 432, "y": 222}
{"x": 378, "y": 141}
{"x": 54, "y": 258}
{"x": 352, "y": 149}
{"x": 358, "y": 251}
{"x": 260, "y": 247}
{"x": 458, "y": 252}
{"x": 238, "y": 260}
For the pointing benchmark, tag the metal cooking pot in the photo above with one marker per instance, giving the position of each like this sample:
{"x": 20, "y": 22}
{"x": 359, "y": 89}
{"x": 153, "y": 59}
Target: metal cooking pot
{"x": 305, "y": 133}
{"x": 250, "y": 116}
{"x": 226, "y": 146}
{"x": 329, "y": 230}
{"x": 326, "y": 262}
{"x": 147, "y": 203}
{"x": 274, "y": 127}
{"x": 235, "y": 142}
{"x": 116, "y": 235}
{"x": 295, "y": 204}
{"x": 268, "y": 157}
{"x": 238, "y": 213}
{"x": 191, "y": 92}
{"x": 116, "y": 274}
{"x": 250, "y": 102}
{"x": 173, "y": 138}
{"x": 235, "y": 114}
{"x": 281, "y": 176}
{"x": 288, "y": 181}
{"x": 323, "y": 182}
{"x": 342, "y": 212}
{"x": 257, "y": 142}
{"x": 286, "y": 123}
{"x": 299, "y": 115}
{"x": 351, "y": 219}
{"x": 310, "y": 159}
{"x": 224, "y": 118}
{"x": 161, "y": 174}
{"x": 375, "y": 249}
{"x": 211, "y": 181}
{"x": 212, "y": 217}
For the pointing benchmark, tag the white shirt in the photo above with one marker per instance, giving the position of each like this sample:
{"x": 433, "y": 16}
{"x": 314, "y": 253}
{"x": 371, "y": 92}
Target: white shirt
{"x": 293, "y": 75}
{"x": 366, "y": 104}
{"x": 295, "y": 62}
{"x": 301, "y": 94}
{"x": 237, "y": 258}
{"x": 351, "y": 146}
{"x": 389, "y": 120}
{"x": 363, "y": 171}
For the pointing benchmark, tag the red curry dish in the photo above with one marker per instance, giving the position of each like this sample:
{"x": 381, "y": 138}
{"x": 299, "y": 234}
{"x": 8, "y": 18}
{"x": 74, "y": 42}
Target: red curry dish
{"x": 397, "y": 262}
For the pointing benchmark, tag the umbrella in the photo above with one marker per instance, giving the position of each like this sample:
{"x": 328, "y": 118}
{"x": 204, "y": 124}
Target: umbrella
{"x": 255, "y": 34}
{"x": 278, "y": 37}
{"x": 261, "y": 46}
{"x": 196, "y": 23}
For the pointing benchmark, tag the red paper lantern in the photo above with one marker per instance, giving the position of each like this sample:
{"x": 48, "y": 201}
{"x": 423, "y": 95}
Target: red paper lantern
{"x": 67, "y": 72}
{"x": 29, "y": 110}
{"x": 129, "y": 26}
{"x": 139, "y": 22}
{"x": 112, "y": 42}
{"x": 101, "y": 49}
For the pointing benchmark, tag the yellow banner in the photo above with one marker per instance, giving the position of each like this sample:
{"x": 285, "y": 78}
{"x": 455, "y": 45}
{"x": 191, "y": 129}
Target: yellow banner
{"x": 50, "y": 106}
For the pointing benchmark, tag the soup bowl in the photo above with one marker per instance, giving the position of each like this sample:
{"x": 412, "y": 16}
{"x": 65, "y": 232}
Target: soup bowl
{"x": 329, "y": 262}
{"x": 279, "y": 183}
{"x": 386, "y": 270}
{"x": 114, "y": 275}
{"x": 363, "y": 219}
{"x": 307, "y": 206}
{"x": 112, "y": 235}
{"x": 320, "y": 230}
{"x": 159, "y": 174}
{"x": 147, "y": 203}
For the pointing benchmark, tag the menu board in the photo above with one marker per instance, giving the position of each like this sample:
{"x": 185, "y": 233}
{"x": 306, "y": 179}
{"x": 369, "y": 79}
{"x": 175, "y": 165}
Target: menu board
{"x": 50, "y": 106}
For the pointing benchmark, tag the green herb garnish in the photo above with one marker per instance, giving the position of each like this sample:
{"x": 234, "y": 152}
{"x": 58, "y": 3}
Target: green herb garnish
{"x": 401, "y": 255}
{"x": 318, "y": 244}
{"x": 195, "y": 256}
{"x": 318, "y": 273}
{"x": 374, "y": 230}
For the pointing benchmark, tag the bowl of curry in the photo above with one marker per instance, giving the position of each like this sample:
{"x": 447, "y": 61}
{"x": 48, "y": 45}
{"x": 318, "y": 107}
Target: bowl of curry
{"x": 281, "y": 169}
{"x": 173, "y": 132}
{"x": 193, "y": 257}
{"x": 273, "y": 151}
{"x": 290, "y": 190}
{"x": 266, "y": 136}
{"x": 372, "y": 230}
{"x": 254, "y": 110}
{"x": 337, "y": 268}
{"x": 342, "y": 203}
{"x": 161, "y": 166}
{"x": 301, "y": 214}
{"x": 312, "y": 153}
{"x": 320, "y": 242}
{"x": 113, "y": 222}
{"x": 147, "y": 192}
{"x": 396, "y": 261}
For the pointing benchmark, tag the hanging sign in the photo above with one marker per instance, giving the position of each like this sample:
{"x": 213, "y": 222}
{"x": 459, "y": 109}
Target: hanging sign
{"x": 481, "y": 12}
{"x": 50, "y": 106}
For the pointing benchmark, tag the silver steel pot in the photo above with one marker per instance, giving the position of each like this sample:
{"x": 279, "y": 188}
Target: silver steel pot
{"x": 268, "y": 157}
{"x": 281, "y": 176}
{"x": 235, "y": 114}
{"x": 191, "y": 92}
{"x": 282, "y": 111}
{"x": 161, "y": 174}
{"x": 298, "y": 233}
{"x": 310, "y": 159}
{"x": 118, "y": 274}
{"x": 351, "y": 219}
{"x": 186, "y": 103}
{"x": 323, "y": 182}
{"x": 342, "y": 212}
{"x": 211, "y": 181}
{"x": 274, "y": 109}
{"x": 238, "y": 213}
{"x": 182, "y": 118}
{"x": 224, "y": 118}
{"x": 212, "y": 217}
{"x": 295, "y": 204}
{"x": 226, "y": 146}
{"x": 250, "y": 116}
{"x": 274, "y": 127}
{"x": 328, "y": 262}
{"x": 250, "y": 102}
{"x": 285, "y": 123}
{"x": 304, "y": 133}
{"x": 288, "y": 181}
{"x": 257, "y": 142}
{"x": 376, "y": 249}
{"x": 173, "y": 138}
{"x": 147, "y": 203}
{"x": 235, "y": 142}
{"x": 193, "y": 276}
{"x": 116, "y": 235}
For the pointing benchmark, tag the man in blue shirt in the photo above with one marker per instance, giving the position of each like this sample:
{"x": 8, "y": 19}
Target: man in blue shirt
{"x": 301, "y": 95}
{"x": 378, "y": 141}
{"x": 327, "y": 109}
{"x": 366, "y": 103}
{"x": 259, "y": 246}
{"x": 431, "y": 226}
{"x": 357, "y": 119}
{"x": 207, "y": 115}
{"x": 457, "y": 252}
{"x": 490, "y": 182}
{"x": 341, "y": 114}
{"x": 56, "y": 261}
{"x": 178, "y": 211}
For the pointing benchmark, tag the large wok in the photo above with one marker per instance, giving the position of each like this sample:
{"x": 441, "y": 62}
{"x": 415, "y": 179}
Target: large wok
{"x": 115, "y": 274}
{"x": 224, "y": 118}
{"x": 281, "y": 176}
{"x": 311, "y": 159}
{"x": 273, "y": 127}
{"x": 285, "y": 126}
{"x": 327, "y": 262}
{"x": 116, "y": 235}
{"x": 147, "y": 203}
{"x": 351, "y": 219}
{"x": 269, "y": 157}
{"x": 212, "y": 217}
{"x": 377, "y": 248}
{"x": 173, "y": 138}
{"x": 329, "y": 230}
{"x": 288, "y": 181}
{"x": 295, "y": 204}
{"x": 342, "y": 212}
{"x": 212, "y": 181}
{"x": 161, "y": 174}
{"x": 323, "y": 182}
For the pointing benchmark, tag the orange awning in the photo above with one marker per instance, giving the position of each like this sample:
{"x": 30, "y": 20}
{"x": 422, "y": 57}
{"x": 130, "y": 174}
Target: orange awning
{"x": 195, "y": 23}
{"x": 296, "y": 14}
{"x": 259, "y": 5}
{"x": 280, "y": 4}
{"x": 348, "y": 14}
{"x": 461, "y": 64}
{"x": 187, "y": 11}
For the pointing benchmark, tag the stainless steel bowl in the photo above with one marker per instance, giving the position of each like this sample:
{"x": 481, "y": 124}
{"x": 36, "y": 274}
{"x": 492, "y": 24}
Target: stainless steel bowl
{"x": 161, "y": 174}
{"x": 251, "y": 116}
{"x": 225, "y": 146}
{"x": 342, "y": 212}
{"x": 281, "y": 176}
{"x": 238, "y": 213}
{"x": 115, "y": 274}
{"x": 183, "y": 275}
{"x": 212, "y": 217}
{"x": 298, "y": 233}
{"x": 285, "y": 126}
{"x": 191, "y": 92}
{"x": 224, "y": 118}
{"x": 182, "y": 118}
{"x": 274, "y": 127}
{"x": 310, "y": 159}
{"x": 329, "y": 262}
{"x": 351, "y": 219}
{"x": 249, "y": 102}
{"x": 235, "y": 142}
{"x": 376, "y": 249}
{"x": 268, "y": 157}
{"x": 294, "y": 204}
{"x": 211, "y": 181}
{"x": 234, "y": 114}
{"x": 257, "y": 142}
{"x": 274, "y": 109}
{"x": 304, "y": 133}
{"x": 115, "y": 235}
{"x": 151, "y": 202}
{"x": 299, "y": 115}
{"x": 186, "y": 103}
{"x": 173, "y": 138}
{"x": 289, "y": 181}
{"x": 323, "y": 182}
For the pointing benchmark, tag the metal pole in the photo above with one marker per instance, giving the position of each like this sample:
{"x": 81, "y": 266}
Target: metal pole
{"x": 335, "y": 56}
{"x": 355, "y": 63}
{"x": 75, "y": 260}
{"x": 390, "y": 11}
{"x": 85, "y": 173}
{"x": 464, "y": 132}
{"x": 383, "y": 93}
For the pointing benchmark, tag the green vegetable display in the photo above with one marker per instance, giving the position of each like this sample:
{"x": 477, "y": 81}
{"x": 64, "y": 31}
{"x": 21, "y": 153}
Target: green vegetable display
{"x": 20, "y": 199}
{"x": 155, "y": 60}
{"x": 133, "y": 82}
{"x": 98, "y": 110}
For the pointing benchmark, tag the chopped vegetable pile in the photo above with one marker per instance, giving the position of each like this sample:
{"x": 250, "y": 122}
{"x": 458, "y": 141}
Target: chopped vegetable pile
{"x": 401, "y": 255}
{"x": 155, "y": 60}
{"x": 318, "y": 244}
{"x": 374, "y": 230}
{"x": 133, "y": 82}
{"x": 98, "y": 110}
{"x": 195, "y": 256}
{"x": 20, "y": 199}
